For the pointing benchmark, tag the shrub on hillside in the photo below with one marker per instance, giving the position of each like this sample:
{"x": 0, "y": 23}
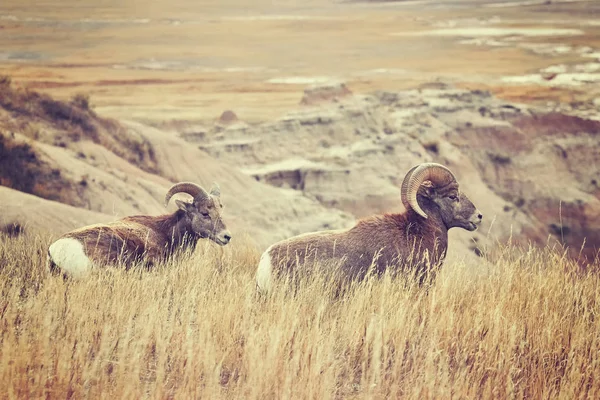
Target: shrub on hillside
{"x": 63, "y": 122}
{"x": 22, "y": 169}
{"x": 81, "y": 100}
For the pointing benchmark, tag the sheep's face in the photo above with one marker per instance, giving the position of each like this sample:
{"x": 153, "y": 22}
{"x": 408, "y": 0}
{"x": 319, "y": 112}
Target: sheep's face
{"x": 455, "y": 208}
{"x": 205, "y": 219}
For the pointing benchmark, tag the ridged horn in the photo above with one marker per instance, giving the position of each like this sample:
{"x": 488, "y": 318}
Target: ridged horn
{"x": 436, "y": 173}
{"x": 197, "y": 192}
{"x": 404, "y": 187}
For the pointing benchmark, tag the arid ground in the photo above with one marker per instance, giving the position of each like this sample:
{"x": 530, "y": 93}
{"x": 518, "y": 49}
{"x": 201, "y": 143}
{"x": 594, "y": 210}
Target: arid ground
{"x": 193, "y": 59}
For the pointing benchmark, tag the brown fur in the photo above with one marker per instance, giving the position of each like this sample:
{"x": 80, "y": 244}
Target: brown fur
{"x": 149, "y": 239}
{"x": 402, "y": 242}
{"x": 136, "y": 238}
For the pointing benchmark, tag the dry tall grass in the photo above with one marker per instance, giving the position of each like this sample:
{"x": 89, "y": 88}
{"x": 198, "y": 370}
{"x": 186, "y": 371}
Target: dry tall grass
{"x": 523, "y": 327}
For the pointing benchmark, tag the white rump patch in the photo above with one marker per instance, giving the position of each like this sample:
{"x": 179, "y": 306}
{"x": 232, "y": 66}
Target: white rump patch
{"x": 264, "y": 277}
{"x": 68, "y": 255}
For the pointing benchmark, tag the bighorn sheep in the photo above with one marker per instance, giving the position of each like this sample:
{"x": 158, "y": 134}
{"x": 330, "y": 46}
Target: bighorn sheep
{"x": 143, "y": 238}
{"x": 416, "y": 239}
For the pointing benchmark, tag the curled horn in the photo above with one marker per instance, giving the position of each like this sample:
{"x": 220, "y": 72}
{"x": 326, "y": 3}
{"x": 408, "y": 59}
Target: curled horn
{"x": 186, "y": 187}
{"x": 404, "y": 188}
{"x": 436, "y": 173}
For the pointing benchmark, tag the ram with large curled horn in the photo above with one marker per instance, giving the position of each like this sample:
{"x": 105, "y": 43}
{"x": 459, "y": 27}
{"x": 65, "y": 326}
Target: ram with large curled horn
{"x": 143, "y": 238}
{"x": 414, "y": 241}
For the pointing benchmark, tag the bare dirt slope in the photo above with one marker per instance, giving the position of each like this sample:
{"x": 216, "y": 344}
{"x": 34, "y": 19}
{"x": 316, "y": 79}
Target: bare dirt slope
{"x": 87, "y": 174}
{"x": 22, "y": 212}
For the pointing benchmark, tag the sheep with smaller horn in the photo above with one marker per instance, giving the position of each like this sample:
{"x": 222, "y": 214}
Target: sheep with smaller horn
{"x": 143, "y": 238}
{"x": 415, "y": 240}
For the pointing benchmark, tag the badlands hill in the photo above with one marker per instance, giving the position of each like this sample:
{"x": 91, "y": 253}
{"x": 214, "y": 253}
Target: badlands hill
{"x": 532, "y": 171}
{"x": 125, "y": 168}
{"x": 339, "y": 157}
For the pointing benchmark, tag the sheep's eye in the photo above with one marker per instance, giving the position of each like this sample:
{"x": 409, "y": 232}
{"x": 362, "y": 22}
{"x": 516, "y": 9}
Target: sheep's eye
{"x": 205, "y": 214}
{"x": 453, "y": 197}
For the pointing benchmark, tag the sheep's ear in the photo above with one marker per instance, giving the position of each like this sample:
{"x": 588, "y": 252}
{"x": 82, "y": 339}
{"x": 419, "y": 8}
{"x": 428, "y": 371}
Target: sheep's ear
{"x": 215, "y": 190}
{"x": 182, "y": 205}
{"x": 429, "y": 189}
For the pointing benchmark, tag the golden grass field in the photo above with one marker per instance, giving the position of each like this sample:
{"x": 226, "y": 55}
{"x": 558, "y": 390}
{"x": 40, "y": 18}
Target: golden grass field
{"x": 524, "y": 326}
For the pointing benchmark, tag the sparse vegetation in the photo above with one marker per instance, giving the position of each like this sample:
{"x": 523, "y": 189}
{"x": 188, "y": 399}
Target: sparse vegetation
{"x": 81, "y": 100}
{"x": 21, "y": 168}
{"x": 499, "y": 159}
{"x": 41, "y": 117}
{"x": 520, "y": 202}
{"x": 31, "y": 131}
{"x": 5, "y": 81}
{"x": 432, "y": 147}
{"x": 13, "y": 229}
{"x": 523, "y": 327}
{"x": 559, "y": 230}
{"x": 40, "y": 107}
